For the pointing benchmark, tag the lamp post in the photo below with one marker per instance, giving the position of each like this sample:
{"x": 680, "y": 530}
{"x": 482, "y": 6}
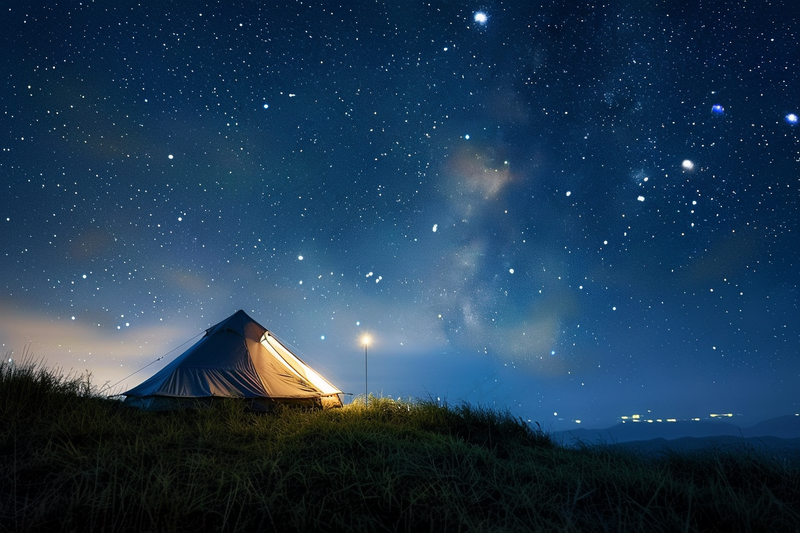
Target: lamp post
{"x": 365, "y": 340}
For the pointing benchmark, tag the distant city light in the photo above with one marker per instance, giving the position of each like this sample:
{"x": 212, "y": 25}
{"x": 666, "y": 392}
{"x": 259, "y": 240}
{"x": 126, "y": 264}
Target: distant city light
{"x": 640, "y": 418}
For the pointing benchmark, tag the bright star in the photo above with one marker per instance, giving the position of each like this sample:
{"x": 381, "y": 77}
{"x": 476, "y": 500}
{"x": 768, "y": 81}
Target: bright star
{"x": 481, "y": 18}
{"x": 791, "y": 118}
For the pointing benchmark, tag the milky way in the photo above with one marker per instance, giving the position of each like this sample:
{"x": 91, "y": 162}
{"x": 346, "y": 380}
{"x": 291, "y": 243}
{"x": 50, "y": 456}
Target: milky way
{"x": 584, "y": 210}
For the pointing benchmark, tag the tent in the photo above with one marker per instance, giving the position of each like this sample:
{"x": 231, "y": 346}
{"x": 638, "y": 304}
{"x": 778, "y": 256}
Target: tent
{"x": 237, "y": 358}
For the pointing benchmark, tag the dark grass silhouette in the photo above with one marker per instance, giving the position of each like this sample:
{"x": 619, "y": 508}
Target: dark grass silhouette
{"x": 72, "y": 460}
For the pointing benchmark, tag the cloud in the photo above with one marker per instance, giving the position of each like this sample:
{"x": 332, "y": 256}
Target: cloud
{"x": 477, "y": 172}
{"x": 110, "y": 355}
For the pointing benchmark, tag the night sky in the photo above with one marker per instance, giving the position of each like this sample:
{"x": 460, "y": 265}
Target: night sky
{"x": 575, "y": 211}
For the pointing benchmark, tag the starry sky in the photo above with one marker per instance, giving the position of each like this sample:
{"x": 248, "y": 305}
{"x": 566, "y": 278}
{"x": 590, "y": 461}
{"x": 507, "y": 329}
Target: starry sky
{"x": 572, "y": 210}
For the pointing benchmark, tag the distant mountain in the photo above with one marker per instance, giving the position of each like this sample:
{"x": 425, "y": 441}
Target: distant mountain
{"x": 771, "y": 445}
{"x": 785, "y": 427}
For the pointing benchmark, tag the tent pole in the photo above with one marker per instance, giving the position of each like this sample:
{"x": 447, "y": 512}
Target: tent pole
{"x": 365, "y": 340}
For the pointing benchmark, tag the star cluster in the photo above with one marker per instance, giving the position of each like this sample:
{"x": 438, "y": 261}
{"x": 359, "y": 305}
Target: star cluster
{"x": 585, "y": 209}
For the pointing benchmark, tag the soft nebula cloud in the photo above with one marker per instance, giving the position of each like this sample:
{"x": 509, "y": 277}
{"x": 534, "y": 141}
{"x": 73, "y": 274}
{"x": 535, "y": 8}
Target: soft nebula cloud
{"x": 474, "y": 319}
{"x": 517, "y": 315}
{"x": 478, "y": 172}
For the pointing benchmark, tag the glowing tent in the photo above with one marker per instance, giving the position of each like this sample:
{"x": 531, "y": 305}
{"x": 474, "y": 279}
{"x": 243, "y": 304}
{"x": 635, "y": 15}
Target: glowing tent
{"x": 237, "y": 358}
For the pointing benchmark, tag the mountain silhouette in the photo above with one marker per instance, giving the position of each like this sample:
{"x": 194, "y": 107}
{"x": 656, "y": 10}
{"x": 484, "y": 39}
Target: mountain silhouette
{"x": 782, "y": 427}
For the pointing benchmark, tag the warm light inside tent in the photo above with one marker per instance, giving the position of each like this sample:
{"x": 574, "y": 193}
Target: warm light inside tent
{"x": 295, "y": 365}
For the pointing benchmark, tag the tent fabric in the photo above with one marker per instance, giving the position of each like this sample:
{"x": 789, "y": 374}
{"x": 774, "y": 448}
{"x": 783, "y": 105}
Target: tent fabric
{"x": 237, "y": 358}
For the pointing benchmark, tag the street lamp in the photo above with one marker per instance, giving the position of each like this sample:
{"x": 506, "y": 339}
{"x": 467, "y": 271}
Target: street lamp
{"x": 365, "y": 340}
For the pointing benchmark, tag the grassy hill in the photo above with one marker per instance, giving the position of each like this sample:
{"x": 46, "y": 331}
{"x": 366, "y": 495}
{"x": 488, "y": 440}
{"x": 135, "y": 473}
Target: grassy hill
{"x": 71, "y": 460}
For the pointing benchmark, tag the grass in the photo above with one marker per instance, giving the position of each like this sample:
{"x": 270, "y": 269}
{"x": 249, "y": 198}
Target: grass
{"x": 71, "y": 460}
